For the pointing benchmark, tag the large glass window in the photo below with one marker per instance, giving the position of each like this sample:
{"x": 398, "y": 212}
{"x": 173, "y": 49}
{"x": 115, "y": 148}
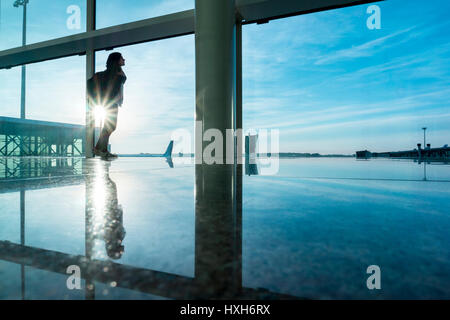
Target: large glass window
{"x": 45, "y": 20}
{"x": 332, "y": 85}
{"x": 10, "y": 81}
{"x": 10, "y": 26}
{"x": 159, "y": 94}
{"x": 113, "y": 12}
{"x": 56, "y": 90}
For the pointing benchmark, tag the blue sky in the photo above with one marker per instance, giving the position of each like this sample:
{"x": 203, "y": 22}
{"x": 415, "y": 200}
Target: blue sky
{"x": 326, "y": 81}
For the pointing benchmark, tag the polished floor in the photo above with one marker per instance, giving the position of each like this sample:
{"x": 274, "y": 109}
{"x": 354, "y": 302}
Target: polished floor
{"x": 146, "y": 228}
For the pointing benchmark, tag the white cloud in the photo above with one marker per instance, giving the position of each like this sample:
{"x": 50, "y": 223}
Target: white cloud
{"x": 364, "y": 50}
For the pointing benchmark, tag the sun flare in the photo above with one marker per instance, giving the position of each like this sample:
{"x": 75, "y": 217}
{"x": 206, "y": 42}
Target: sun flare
{"x": 100, "y": 114}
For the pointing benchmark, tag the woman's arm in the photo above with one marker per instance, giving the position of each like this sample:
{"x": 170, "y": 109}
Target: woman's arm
{"x": 121, "y": 95}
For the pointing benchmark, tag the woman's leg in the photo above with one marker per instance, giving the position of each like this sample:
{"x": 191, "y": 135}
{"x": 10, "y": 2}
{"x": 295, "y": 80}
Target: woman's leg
{"x": 110, "y": 125}
{"x": 102, "y": 142}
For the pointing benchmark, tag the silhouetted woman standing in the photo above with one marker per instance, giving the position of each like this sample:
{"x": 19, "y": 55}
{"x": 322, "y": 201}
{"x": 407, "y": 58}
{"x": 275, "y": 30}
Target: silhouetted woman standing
{"x": 111, "y": 86}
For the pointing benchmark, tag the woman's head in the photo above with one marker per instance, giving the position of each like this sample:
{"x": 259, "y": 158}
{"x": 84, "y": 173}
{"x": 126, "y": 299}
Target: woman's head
{"x": 115, "y": 61}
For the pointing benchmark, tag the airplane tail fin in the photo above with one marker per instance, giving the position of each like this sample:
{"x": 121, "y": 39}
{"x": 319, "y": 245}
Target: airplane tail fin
{"x": 168, "y": 152}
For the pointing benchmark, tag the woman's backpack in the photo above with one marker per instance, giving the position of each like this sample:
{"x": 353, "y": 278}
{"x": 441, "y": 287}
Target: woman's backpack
{"x": 102, "y": 89}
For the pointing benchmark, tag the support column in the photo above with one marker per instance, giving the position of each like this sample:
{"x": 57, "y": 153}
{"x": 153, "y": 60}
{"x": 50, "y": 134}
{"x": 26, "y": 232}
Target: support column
{"x": 90, "y": 70}
{"x": 239, "y": 121}
{"x": 217, "y": 244}
{"x": 88, "y": 149}
{"x": 239, "y": 165}
{"x": 215, "y": 66}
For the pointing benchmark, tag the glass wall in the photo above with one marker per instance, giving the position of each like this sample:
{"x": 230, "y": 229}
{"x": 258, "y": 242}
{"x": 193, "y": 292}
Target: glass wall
{"x": 10, "y": 82}
{"x": 45, "y": 20}
{"x": 56, "y": 90}
{"x": 158, "y": 94}
{"x": 113, "y": 12}
{"x": 333, "y": 85}
{"x": 10, "y": 25}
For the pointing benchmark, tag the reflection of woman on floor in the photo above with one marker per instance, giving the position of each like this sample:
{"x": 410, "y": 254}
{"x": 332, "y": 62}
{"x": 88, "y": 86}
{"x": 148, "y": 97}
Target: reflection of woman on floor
{"x": 104, "y": 215}
{"x": 113, "y": 229}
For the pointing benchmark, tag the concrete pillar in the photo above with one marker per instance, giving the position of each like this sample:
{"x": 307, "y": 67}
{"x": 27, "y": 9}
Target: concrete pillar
{"x": 217, "y": 221}
{"x": 215, "y": 66}
{"x": 90, "y": 70}
{"x": 89, "y": 146}
{"x": 239, "y": 166}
